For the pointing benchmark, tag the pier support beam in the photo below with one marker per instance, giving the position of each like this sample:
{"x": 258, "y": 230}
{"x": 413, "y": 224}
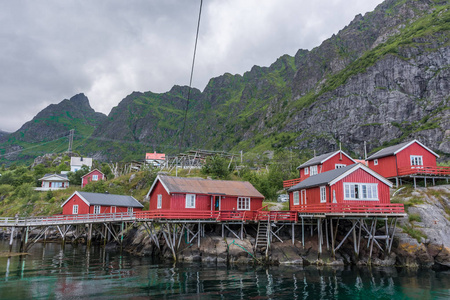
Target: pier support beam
{"x": 11, "y": 238}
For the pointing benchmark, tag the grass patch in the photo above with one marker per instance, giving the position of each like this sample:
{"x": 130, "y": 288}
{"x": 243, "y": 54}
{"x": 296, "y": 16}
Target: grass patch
{"x": 414, "y": 233}
{"x": 414, "y": 218}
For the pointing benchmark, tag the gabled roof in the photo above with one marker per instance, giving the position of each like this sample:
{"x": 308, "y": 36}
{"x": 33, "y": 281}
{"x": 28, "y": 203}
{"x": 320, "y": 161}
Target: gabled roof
{"x": 333, "y": 176}
{"x": 59, "y": 177}
{"x": 79, "y": 161}
{"x": 181, "y": 185}
{"x": 106, "y": 199}
{"x": 321, "y": 159}
{"x": 392, "y": 150}
{"x": 93, "y": 171}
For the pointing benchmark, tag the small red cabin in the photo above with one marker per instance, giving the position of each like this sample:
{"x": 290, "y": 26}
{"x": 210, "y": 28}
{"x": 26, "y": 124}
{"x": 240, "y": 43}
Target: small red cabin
{"x": 351, "y": 187}
{"x": 92, "y": 176}
{"x": 181, "y": 194}
{"x": 96, "y": 203}
{"x": 402, "y": 159}
{"x": 320, "y": 164}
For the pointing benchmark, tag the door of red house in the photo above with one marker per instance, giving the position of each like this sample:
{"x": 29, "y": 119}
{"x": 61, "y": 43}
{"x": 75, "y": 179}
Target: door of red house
{"x": 216, "y": 203}
{"x": 303, "y": 197}
{"x": 113, "y": 209}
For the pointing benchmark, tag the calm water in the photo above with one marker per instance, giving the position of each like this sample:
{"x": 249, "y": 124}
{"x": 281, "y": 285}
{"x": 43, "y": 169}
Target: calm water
{"x": 50, "y": 273}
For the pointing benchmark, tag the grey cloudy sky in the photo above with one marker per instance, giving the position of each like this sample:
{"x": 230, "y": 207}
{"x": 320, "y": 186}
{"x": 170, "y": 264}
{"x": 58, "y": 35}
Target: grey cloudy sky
{"x": 52, "y": 49}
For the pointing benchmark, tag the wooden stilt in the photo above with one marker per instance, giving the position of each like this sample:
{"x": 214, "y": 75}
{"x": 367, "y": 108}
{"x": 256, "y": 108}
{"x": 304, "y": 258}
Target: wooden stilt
{"x": 332, "y": 239}
{"x": 89, "y": 237}
{"x": 303, "y": 233}
{"x": 11, "y": 239}
{"x": 292, "y": 234}
{"x": 319, "y": 234}
{"x": 22, "y": 240}
{"x": 326, "y": 234}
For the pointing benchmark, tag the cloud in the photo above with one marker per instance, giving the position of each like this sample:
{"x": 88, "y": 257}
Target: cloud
{"x": 52, "y": 50}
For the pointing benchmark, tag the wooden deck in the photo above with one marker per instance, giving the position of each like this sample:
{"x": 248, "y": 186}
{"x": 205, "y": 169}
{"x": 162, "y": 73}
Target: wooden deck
{"x": 425, "y": 171}
{"x": 346, "y": 209}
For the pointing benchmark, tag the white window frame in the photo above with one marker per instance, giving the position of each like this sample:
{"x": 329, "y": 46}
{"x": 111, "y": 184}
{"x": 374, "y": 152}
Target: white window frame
{"x": 243, "y": 203}
{"x": 338, "y": 166}
{"x": 296, "y": 198}
{"x": 75, "y": 210}
{"x": 94, "y": 177}
{"x": 159, "y": 201}
{"x": 361, "y": 191}
{"x": 96, "y": 209}
{"x": 313, "y": 170}
{"x": 323, "y": 194}
{"x": 306, "y": 171}
{"x": 416, "y": 160}
{"x": 130, "y": 210}
{"x": 375, "y": 162}
{"x": 190, "y": 200}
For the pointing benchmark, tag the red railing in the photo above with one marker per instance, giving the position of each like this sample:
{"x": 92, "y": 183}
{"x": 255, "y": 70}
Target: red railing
{"x": 425, "y": 170}
{"x": 290, "y": 182}
{"x": 275, "y": 216}
{"x": 391, "y": 208}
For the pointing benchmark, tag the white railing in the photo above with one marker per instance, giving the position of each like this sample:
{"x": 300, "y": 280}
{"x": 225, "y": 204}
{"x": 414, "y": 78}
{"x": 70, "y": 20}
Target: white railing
{"x": 65, "y": 219}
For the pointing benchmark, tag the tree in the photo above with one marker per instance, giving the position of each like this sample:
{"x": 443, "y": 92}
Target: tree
{"x": 75, "y": 177}
{"x": 217, "y": 167}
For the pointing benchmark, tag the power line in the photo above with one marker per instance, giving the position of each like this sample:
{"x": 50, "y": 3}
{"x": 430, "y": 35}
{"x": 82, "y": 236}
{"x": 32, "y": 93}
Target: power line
{"x": 192, "y": 74}
{"x": 20, "y": 150}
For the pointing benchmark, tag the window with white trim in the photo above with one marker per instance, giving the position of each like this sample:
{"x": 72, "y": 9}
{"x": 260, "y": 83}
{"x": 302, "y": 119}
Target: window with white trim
{"x": 243, "y": 203}
{"x": 306, "y": 171}
{"x": 190, "y": 200}
{"x": 94, "y": 177}
{"x": 416, "y": 160}
{"x": 338, "y": 166}
{"x": 296, "y": 198}
{"x": 130, "y": 210}
{"x": 159, "y": 201}
{"x": 360, "y": 191}
{"x": 323, "y": 194}
{"x": 375, "y": 162}
{"x": 313, "y": 170}
{"x": 75, "y": 209}
{"x": 96, "y": 209}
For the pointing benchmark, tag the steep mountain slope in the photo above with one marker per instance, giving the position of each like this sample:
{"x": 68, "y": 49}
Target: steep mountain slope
{"x": 382, "y": 79}
{"x": 52, "y": 124}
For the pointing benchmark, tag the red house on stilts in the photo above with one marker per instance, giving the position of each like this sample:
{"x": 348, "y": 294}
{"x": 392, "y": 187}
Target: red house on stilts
{"x": 97, "y": 203}
{"x": 350, "y": 189}
{"x": 407, "y": 160}
{"x": 196, "y": 194}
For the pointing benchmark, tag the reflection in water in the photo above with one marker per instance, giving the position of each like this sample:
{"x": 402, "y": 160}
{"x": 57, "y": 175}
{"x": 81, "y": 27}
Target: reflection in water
{"x": 50, "y": 272}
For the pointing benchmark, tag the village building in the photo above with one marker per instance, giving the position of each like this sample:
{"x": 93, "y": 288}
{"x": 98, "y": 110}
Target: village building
{"x": 92, "y": 176}
{"x": 182, "y": 194}
{"x": 77, "y": 162}
{"x": 51, "y": 182}
{"x": 409, "y": 160}
{"x": 155, "y": 159}
{"x": 320, "y": 164}
{"x": 344, "y": 189}
{"x": 97, "y": 203}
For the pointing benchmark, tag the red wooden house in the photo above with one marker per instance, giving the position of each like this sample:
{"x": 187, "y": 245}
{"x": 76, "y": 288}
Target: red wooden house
{"x": 320, "y": 164}
{"x": 94, "y": 175}
{"x": 184, "y": 194}
{"x": 96, "y": 203}
{"x": 354, "y": 188}
{"x": 404, "y": 159}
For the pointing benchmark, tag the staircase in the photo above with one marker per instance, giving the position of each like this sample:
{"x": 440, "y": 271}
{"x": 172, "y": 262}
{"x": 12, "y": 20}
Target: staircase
{"x": 262, "y": 243}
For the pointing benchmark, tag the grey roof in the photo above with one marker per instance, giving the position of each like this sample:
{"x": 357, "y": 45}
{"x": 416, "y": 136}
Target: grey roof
{"x": 110, "y": 199}
{"x": 63, "y": 176}
{"x": 318, "y": 159}
{"x": 320, "y": 179}
{"x": 388, "y": 151}
{"x": 208, "y": 186}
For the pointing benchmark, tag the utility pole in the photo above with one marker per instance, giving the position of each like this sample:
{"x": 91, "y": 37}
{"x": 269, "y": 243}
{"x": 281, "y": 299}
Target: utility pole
{"x": 71, "y": 132}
